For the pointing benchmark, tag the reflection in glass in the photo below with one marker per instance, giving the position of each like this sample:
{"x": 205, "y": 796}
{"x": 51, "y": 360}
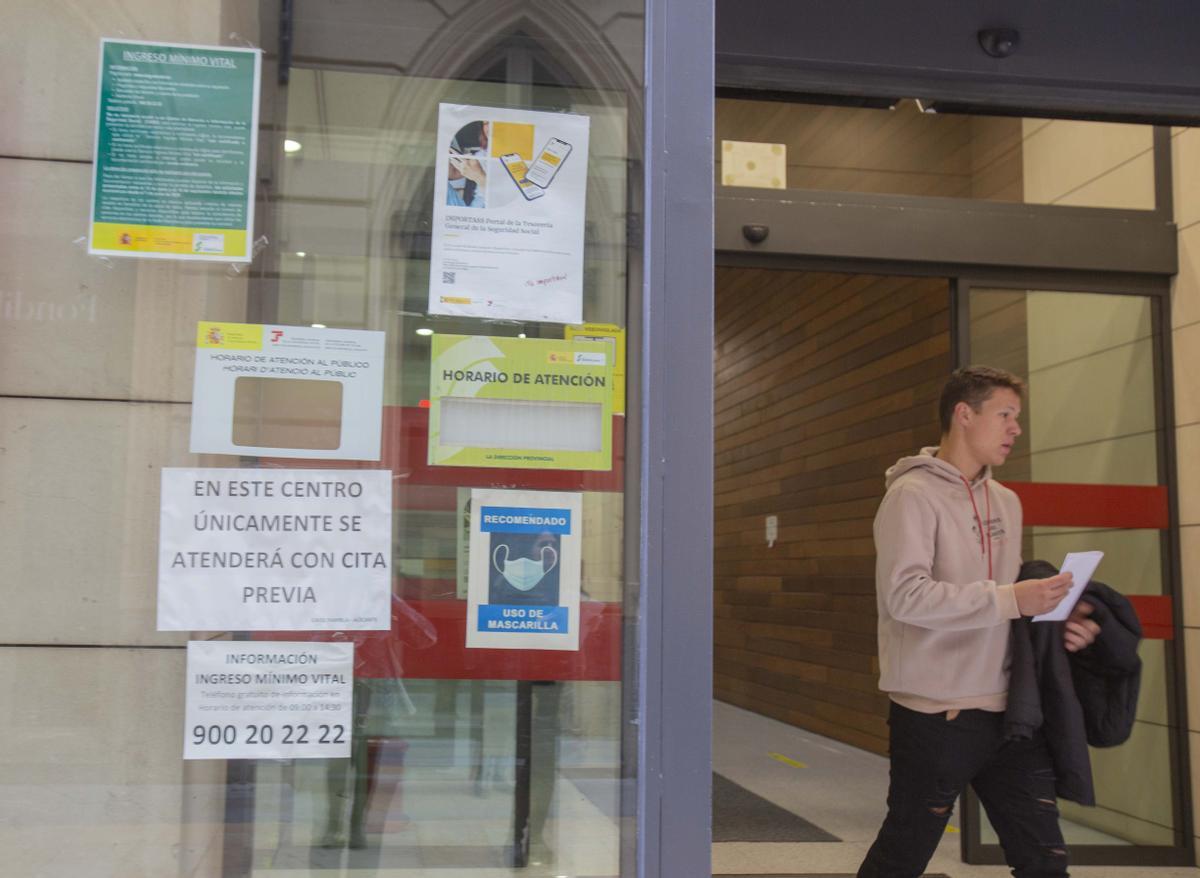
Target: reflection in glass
{"x": 904, "y": 151}
{"x": 1090, "y": 418}
{"x": 461, "y": 759}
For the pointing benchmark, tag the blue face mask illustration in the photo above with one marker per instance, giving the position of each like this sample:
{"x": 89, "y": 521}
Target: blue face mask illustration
{"x": 523, "y": 573}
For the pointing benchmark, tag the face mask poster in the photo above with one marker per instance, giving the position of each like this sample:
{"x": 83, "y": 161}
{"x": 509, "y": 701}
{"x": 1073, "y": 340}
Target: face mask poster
{"x": 525, "y": 562}
{"x": 508, "y": 214}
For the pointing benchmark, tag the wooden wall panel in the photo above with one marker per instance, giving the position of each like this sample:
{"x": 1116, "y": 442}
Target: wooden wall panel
{"x": 822, "y": 381}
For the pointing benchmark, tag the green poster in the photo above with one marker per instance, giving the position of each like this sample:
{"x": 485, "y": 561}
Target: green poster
{"x": 176, "y": 135}
{"x": 520, "y": 403}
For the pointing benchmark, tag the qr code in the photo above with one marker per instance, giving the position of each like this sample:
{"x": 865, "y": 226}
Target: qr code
{"x": 447, "y": 277}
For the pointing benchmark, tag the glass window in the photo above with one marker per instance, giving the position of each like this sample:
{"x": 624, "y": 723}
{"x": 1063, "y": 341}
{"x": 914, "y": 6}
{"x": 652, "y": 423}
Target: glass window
{"x": 493, "y": 755}
{"x": 1092, "y": 431}
{"x": 905, "y": 151}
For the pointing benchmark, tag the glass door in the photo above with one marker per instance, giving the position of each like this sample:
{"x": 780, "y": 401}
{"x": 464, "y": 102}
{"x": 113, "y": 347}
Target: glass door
{"x": 469, "y": 754}
{"x": 1093, "y": 471}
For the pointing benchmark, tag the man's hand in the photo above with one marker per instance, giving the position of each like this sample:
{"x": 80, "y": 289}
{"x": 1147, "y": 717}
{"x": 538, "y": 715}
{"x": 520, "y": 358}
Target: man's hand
{"x": 1080, "y": 632}
{"x": 1037, "y": 596}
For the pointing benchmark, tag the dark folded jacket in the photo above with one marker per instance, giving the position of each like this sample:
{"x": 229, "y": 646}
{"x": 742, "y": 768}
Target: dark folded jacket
{"x": 1075, "y": 699}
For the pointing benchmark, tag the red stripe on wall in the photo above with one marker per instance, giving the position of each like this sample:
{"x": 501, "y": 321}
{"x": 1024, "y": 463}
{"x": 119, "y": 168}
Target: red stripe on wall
{"x": 428, "y": 642}
{"x": 1157, "y": 615}
{"x": 598, "y": 657}
{"x": 428, "y": 636}
{"x": 1073, "y": 505}
{"x": 1135, "y": 506}
{"x": 405, "y": 452}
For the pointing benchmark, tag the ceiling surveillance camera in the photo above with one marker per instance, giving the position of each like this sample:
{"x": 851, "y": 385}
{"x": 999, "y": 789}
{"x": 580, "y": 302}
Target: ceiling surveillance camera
{"x": 755, "y": 233}
{"x": 999, "y": 42}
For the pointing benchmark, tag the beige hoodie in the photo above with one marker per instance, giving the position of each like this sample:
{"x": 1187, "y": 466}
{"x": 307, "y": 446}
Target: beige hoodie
{"x": 943, "y": 620}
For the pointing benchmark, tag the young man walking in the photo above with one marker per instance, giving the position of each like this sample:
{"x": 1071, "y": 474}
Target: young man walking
{"x": 948, "y": 545}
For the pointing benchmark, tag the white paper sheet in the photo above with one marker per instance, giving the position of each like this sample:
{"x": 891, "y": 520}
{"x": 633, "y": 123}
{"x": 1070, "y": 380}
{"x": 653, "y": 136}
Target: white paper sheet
{"x": 501, "y": 248}
{"x": 253, "y": 699}
{"x": 1081, "y": 566}
{"x": 275, "y": 550}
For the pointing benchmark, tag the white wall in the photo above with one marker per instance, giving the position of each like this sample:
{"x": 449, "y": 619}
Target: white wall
{"x": 1092, "y": 420}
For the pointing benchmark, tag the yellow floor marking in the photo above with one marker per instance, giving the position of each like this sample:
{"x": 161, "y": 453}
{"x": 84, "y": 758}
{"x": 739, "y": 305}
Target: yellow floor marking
{"x": 779, "y": 757}
{"x": 951, "y": 829}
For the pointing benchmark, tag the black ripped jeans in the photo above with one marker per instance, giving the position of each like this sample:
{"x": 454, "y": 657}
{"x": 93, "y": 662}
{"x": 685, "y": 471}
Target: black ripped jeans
{"x": 933, "y": 759}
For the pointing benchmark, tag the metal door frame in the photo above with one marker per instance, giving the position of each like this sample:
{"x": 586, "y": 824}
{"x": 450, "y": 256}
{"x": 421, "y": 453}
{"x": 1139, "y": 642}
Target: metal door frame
{"x": 1158, "y": 291}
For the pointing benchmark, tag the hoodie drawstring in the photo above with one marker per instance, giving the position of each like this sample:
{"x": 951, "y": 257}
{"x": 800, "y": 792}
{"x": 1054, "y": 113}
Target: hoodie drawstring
{"x": 985, "y": 533}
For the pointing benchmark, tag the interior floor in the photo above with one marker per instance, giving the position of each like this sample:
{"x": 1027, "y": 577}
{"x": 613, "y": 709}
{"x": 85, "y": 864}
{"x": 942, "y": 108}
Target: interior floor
{"x": 841, "y": 790}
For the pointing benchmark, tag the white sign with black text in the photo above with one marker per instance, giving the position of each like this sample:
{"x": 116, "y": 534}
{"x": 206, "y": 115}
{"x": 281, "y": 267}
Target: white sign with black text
{"x": 275, "y": 550}
{"x": 262, "y": 700}
{"x": 287, "y": 391}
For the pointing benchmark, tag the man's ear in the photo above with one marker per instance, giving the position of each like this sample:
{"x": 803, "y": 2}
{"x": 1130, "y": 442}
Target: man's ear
{"x": 963, "y": 413}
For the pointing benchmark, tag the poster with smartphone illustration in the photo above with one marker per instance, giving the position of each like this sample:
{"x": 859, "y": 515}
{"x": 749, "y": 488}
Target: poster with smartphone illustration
{"x": 508, "y": 214}
{"x": 524, "y": 559}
